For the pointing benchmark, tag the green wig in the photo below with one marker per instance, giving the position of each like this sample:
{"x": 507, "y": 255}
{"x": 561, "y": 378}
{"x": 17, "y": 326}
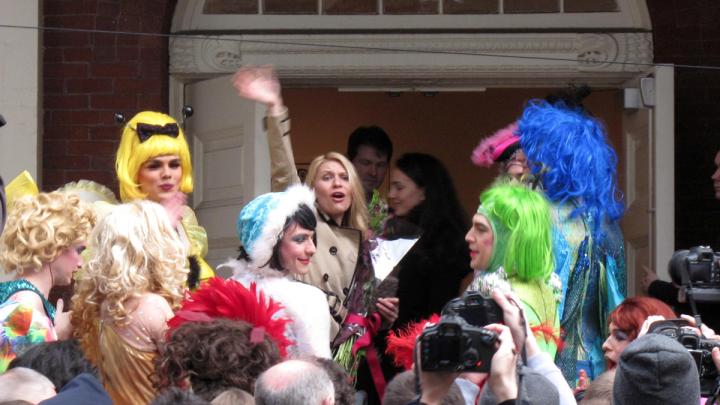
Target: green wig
{"x": 522, "y": 230}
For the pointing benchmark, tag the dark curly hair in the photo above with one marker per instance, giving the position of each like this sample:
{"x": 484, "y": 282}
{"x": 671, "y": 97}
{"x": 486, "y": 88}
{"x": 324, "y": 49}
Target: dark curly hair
{"x": 60, "y": 361}
{"x": 215, "y": 356}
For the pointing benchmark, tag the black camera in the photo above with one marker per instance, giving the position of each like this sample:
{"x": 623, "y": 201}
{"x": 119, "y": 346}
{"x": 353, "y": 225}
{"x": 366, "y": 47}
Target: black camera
{"x": 475, "y": 309}
{"x": 698, "y": 269}
{"x": 454, "y": 345}
{"x": 699, "y": 348}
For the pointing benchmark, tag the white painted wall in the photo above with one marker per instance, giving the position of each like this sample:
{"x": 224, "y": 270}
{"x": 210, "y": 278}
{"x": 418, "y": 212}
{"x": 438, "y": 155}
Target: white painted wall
{"x": 20, "y": 86}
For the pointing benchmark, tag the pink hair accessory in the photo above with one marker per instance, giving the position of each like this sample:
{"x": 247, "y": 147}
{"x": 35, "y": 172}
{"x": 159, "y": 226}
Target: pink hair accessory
{"x": 489, "y": 149}
{"x": 257, "y": 335}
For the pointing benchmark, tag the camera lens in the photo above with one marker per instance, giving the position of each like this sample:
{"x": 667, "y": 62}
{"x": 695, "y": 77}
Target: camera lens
{"x": 470, "y": 358}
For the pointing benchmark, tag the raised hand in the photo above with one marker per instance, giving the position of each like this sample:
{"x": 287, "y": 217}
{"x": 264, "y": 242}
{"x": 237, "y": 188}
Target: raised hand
{"x": 63, "y": 328}
{"x": 174, "y": 207}
{"x": 260, "y": 84}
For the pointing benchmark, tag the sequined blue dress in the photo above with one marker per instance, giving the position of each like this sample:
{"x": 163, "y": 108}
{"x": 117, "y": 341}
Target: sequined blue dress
{"x": 593, "y": 274}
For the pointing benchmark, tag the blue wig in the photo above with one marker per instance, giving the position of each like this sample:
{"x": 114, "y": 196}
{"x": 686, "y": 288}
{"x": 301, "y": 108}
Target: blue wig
{"x": 569, "y": 153}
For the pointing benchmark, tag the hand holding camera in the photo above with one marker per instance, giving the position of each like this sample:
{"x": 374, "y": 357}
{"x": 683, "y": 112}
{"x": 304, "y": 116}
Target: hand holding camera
{"x": 520, "y": 329}
{"x": 503, "y": 372}
{"x": 435, "y": 381}
{"x": 702, "y": 349}
{"x": 463, "y": 337}
{"x": 460, "y": 341}
{"x": 477, "y": 321}
{"x": 470, "y": 337}
{"x": 454, "y": 345}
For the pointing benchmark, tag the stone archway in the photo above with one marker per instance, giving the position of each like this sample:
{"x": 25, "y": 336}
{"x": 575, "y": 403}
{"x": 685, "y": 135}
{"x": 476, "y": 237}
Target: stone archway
{"x": 421, "y": 61}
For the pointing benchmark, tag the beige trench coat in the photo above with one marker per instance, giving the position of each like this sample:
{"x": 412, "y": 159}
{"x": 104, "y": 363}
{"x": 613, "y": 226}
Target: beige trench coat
{"x": 333, "y": 265}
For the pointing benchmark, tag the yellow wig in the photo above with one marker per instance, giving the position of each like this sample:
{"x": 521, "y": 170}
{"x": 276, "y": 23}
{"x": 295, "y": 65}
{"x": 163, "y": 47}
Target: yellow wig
{"x": 132, "y": 154}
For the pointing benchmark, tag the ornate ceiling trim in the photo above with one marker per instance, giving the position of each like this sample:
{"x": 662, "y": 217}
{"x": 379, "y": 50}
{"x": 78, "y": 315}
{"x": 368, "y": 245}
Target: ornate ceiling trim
{"x": 421, "y": 59}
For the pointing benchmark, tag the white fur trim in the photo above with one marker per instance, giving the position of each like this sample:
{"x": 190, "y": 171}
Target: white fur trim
{"x": 240, "y": 268}
{"x": 288, "y": 205}
{"x": 304, "y": 304}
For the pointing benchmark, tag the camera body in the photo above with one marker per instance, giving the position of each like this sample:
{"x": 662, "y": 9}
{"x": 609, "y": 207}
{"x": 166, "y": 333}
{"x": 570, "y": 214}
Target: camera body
{"x": 699, "y": 268}
{"x": 454, "y": 345}
{"x": 475, "y": 309}
{"x": 459, "y": 342}
{"x": 699, "y": 348}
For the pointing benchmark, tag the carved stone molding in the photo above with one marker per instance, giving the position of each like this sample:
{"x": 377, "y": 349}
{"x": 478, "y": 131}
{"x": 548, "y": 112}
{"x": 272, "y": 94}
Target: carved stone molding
{"x": 459, "y": 59}
{"x": 202, "y": 56}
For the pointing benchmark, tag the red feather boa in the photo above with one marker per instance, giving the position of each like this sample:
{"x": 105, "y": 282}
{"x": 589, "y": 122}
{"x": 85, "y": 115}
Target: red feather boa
{"x": 220, "y": 298}
{"x": 400, "y": 345}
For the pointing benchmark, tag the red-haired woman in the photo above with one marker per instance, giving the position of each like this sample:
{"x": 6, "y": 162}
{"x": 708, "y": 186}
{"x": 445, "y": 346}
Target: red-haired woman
{"x": 626, "y": 321}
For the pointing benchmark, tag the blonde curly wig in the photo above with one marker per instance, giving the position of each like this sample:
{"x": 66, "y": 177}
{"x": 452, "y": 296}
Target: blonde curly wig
{"x": 40, "y": 227}
{"x": 134, "y": 250}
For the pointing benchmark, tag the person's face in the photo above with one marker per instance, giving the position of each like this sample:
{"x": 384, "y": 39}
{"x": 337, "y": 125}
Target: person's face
{"x": 159, "y": 177}
{"x": 716, "y": 176}
{"x": 332, "y": 189}
{"x": 69, "y": 261}
{"x": 480, "y": 242}
{"x": 517, "y": 165}
{"x": 404, "y": 194}
{"x": 296, "y": 249}
{"x": 614, "y": 345}
{"x": 371, "y": 166}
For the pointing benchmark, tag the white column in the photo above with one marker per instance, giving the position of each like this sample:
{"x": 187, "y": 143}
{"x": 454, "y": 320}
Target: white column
{"x": 664, "y": 165}
{"x": 20, "y": 87}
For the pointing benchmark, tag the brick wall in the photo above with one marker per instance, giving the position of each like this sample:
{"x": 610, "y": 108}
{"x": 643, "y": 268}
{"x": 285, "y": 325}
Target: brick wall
{"x": 88, "y": 77}
{"x": 687, "y": 32}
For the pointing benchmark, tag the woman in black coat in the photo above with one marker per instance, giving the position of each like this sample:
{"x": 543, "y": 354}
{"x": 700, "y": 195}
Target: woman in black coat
{"x": 423, "y": 202}
{"x": 422, "y": 194}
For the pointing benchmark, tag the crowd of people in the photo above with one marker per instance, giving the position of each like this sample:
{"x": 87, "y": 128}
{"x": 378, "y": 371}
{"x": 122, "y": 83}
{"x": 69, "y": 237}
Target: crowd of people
{"x": 335, "y": 289}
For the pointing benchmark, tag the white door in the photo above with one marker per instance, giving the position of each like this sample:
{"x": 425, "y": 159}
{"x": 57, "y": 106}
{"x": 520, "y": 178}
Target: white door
{"x": 230, "y": 160}
{"x": 648, "y": 142}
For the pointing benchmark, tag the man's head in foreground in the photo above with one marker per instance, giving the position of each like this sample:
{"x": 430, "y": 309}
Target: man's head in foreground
{"x": 294, "y": 382}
